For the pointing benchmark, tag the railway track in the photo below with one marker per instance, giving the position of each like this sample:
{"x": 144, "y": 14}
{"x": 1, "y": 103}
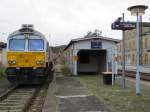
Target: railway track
{"x": 24, "y": 99}
{"x": 144, "y": 76}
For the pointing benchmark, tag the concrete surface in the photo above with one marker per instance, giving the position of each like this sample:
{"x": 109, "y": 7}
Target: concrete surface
{"x": 66, "y": 94}
{"x": 81, "y": 104}
{"x": 69, "y": 86}
{"x": 50, "y": 104}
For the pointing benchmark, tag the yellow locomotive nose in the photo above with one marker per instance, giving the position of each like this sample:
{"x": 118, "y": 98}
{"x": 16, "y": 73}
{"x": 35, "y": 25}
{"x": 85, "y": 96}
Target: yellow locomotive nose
{"x": 26, "y": 59}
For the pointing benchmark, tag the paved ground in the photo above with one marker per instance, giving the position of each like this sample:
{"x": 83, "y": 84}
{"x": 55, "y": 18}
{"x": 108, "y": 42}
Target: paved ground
{"x": 4, "y": 85}
{"x": 81, "y": 104}
{"x": 68, "y": 95}
{"x": 69, "y": 86}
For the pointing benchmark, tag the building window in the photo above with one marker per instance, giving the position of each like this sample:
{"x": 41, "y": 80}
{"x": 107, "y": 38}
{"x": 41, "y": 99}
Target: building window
{"x": 133, "y": 59}
{"x": 146, "y": 59}
{"x": 84, "y": 57}
{"x": 129, "y": 60}
{"x": 146, "y": 41}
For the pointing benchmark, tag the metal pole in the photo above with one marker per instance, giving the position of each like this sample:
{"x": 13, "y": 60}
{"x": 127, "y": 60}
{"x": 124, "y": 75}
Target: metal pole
{"x": 113, "y": 71}
{"x": 123, "y": 56}
{"x": 138, "y": 56}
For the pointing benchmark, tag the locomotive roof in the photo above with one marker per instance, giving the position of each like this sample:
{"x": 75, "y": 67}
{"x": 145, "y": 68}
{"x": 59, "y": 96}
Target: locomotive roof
{"x": 26, "y": 31}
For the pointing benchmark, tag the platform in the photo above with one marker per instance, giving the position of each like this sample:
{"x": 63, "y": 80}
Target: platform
{"x": 68, "y": 95}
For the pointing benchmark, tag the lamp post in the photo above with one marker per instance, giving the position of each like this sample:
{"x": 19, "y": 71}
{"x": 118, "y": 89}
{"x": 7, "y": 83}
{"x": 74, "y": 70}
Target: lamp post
{"x": 123, "y": 56}
{"x": 137, "y": 11}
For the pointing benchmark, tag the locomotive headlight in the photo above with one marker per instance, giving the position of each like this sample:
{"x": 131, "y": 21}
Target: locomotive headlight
{"x": 12, "y": 62}
{"x": 39, "y": 62}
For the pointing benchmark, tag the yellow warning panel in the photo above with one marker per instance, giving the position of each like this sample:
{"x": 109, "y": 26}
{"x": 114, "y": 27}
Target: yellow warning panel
{"x": 75, "y": 58}
{"x": 116, "y": 58}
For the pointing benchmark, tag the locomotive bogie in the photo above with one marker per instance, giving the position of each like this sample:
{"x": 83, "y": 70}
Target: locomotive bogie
{"x": 26, "y": 75}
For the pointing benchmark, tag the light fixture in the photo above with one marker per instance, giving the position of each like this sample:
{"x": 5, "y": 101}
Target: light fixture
{"x": 137, "y": 10}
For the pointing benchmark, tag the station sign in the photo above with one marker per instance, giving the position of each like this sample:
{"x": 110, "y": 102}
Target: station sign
{"x": 123, "y": 25}
{"x": 96, "y": 44}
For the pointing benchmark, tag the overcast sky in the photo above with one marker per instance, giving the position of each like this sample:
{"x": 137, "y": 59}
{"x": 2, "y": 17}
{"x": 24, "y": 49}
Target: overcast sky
{"x": 62, "y": 20}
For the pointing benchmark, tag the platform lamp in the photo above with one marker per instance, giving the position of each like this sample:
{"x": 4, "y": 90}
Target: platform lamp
{"x": 138, "y": 11}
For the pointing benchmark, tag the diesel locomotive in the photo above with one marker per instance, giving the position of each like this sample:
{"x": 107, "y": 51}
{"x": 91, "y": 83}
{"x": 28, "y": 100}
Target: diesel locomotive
{"x": 28, "y": 57}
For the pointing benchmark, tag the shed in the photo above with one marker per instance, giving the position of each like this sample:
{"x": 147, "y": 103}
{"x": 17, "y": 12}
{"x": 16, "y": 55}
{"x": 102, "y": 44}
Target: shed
{"x": 91, "y": 55}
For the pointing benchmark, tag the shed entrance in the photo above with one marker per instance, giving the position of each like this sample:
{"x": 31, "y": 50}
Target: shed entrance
{"x": 91, "y": 61}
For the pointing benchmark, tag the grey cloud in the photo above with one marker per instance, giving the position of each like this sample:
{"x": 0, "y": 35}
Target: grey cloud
{"x": 65, "y": 19}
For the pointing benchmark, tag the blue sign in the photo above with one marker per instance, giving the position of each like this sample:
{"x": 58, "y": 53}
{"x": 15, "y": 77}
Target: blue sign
{"x": 96, "y": 44}
{"x": 123, "y": 25}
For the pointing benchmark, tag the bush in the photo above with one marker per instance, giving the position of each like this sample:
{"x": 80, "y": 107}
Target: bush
{"x": 65, "y": 70}
{"x": 2, "y": 72}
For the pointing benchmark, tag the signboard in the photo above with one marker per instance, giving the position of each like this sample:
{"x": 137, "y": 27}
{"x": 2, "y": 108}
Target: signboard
{"x": 75, "y": 58}
{"x": 116, "y": 58}
{"x": 96, "y": 44}
{"x": 123, "y": 25}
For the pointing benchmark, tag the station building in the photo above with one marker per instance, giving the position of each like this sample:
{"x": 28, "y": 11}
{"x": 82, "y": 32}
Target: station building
{"x": 91, "y": 55}
{"x": 130, "y": 49}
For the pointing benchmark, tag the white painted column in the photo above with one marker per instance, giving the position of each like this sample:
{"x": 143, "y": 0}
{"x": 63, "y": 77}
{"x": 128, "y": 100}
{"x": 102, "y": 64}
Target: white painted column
{"x": 75, "y": 62}
{"x": 113, "y": 66}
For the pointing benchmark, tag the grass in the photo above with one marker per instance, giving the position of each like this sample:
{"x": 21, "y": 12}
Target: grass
{"x": 116, "y": 99}
{"x": 2, "y": 70}
{"x": 65, "y": 70}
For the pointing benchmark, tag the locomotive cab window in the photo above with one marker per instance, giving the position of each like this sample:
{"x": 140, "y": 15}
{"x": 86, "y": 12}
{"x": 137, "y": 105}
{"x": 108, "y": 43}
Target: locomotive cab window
{"x": 36, "y": 45}
{"x": 17, "y": 44}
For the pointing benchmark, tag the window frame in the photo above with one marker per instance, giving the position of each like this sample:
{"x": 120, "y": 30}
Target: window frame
{"x": 15, "y": 49}
{"x": 36, "y": 50}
